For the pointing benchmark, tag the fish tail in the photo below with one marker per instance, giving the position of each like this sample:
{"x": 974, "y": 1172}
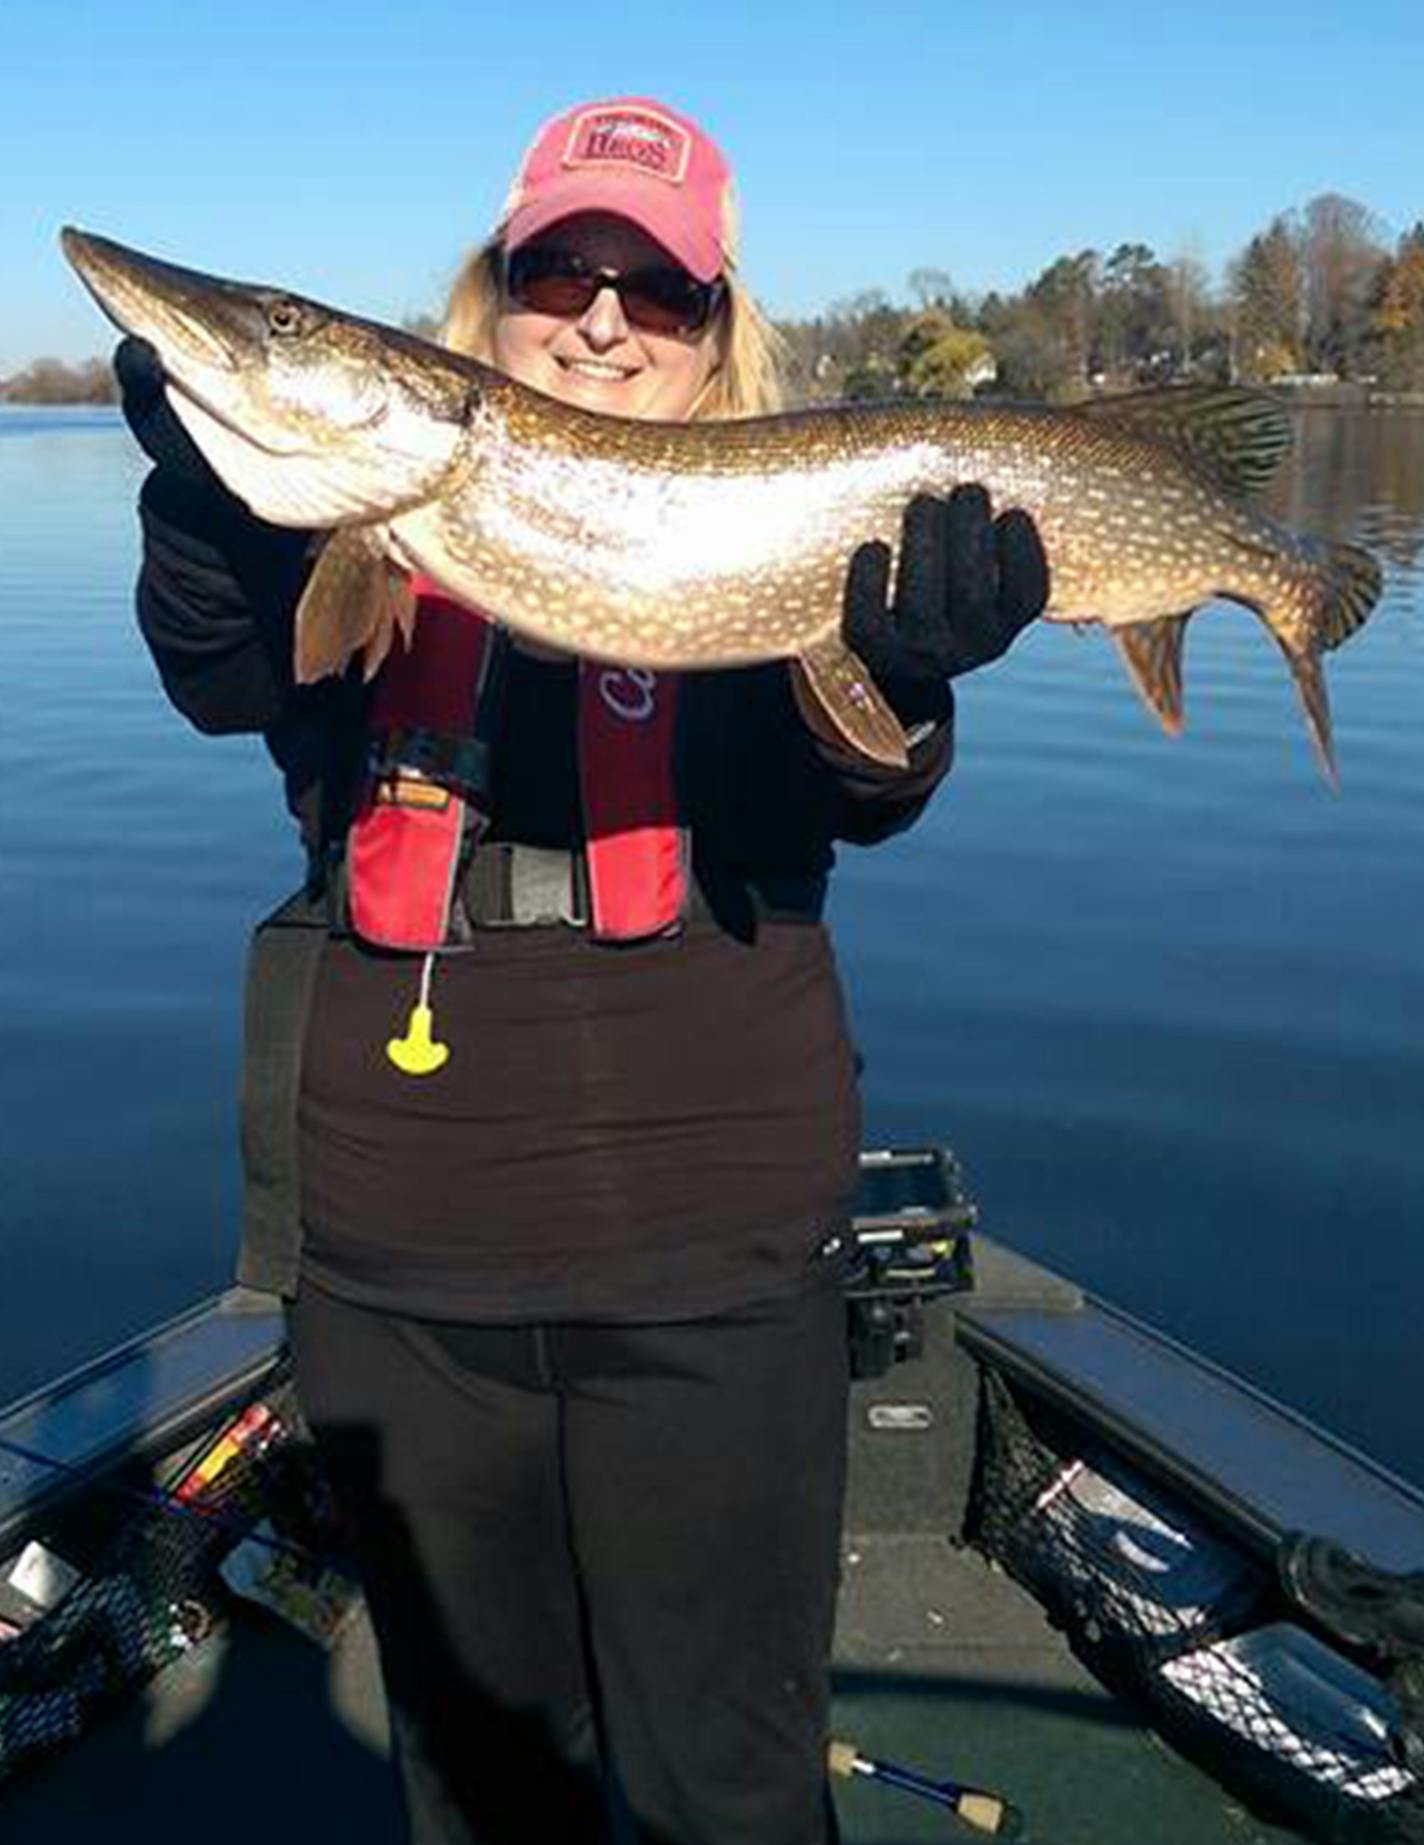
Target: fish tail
{"x": 1293, "y": 615}
{"x": 1348, "y": 585}
{"x": 1331, "y": 591}
{"x": 1351, "y": 588}
{"x": 1309, "y": 679}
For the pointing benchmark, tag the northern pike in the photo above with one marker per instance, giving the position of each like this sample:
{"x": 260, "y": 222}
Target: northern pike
{"x": 711, "y": 544}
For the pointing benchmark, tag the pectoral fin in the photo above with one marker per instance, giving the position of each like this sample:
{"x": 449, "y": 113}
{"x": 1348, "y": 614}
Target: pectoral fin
{"x": 853, "y": 704}
{"x": 355, "y": 600}
{"x": 1152, "y": 651}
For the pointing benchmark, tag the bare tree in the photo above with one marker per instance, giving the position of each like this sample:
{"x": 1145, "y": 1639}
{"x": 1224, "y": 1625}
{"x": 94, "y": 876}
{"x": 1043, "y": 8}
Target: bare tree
{"x": 1189, "y": 302}
{"x": 931, "y": 287}
{"x": 1343, "y": 251}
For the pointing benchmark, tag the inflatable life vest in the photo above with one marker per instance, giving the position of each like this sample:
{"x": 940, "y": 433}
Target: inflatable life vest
{"x": 426, "y": 801}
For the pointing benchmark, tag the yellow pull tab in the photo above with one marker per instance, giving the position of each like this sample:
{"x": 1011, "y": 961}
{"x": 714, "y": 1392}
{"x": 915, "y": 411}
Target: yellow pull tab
{"x": 418, "y": 1053}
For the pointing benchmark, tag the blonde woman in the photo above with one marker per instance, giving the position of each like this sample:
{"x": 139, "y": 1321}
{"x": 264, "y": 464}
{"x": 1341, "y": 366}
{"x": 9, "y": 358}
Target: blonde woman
{"x": 553, "y": 1127}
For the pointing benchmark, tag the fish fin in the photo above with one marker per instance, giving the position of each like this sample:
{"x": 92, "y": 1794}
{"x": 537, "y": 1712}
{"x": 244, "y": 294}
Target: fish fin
{"x": 1152, "y": 653}
{"x": 1238, "y": 437}
{"x": 1315, "y": 701}
{"x": 1353, "y": 581}
{"x": 842, "y": 688}
{"x": 354, "y": 599}
{"x": 1347, "y": 585}
{"x": 402, "y": 620}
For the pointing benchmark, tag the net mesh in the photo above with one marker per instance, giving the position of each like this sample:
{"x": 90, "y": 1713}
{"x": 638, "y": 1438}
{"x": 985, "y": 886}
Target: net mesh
{"x": 1170, "y": 1615}
{"x": 149, "y": 1588}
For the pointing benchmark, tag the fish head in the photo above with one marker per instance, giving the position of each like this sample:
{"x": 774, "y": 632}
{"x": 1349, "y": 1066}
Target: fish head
{"x": 312, "y": 416}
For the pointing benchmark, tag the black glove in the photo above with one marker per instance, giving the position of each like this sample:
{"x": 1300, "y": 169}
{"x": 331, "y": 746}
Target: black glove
{"x": 183, "y": 491}
{"x": 207, "y": 558}
{"x": 149, "y": 415}
{"x": 966, "y": 585}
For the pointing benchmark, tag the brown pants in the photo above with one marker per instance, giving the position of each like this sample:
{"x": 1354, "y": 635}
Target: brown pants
{"x": 591, "y": 1549}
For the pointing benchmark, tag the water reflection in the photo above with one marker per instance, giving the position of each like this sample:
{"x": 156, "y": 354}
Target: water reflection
{"x": 1357, "y": 474}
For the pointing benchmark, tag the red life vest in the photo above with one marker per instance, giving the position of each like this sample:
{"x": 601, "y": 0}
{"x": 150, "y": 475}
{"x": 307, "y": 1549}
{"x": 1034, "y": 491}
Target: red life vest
{"x": 419, "y": 819}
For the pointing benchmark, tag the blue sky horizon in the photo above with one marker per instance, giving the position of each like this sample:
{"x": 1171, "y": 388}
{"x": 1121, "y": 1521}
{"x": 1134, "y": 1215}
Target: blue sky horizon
{"x": 355, "y": 152}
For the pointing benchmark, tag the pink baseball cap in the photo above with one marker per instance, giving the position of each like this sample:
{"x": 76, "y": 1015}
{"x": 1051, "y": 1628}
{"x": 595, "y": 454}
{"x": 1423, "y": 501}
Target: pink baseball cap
{"x": 640, "y": 160}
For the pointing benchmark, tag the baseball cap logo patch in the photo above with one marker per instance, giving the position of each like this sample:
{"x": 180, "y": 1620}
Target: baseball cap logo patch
{"x": 633, "y": 138}
{"x": 600, "y": 157}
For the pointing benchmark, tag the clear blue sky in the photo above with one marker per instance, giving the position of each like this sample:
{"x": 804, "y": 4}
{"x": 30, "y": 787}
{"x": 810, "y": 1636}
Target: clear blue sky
{"x": 353, "y": 151}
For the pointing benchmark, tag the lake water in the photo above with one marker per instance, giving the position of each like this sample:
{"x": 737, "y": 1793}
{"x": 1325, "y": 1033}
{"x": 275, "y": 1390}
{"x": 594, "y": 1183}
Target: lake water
{"x": 1165, "y": 998}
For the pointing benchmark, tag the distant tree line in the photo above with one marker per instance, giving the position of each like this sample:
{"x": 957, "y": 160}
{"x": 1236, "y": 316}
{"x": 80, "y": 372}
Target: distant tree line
{"x": 51, "y": 381}
{"x": 1320, "y": 293}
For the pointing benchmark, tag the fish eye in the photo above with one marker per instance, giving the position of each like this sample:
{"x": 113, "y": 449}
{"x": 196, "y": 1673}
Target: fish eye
{"x": 285, "y": 317}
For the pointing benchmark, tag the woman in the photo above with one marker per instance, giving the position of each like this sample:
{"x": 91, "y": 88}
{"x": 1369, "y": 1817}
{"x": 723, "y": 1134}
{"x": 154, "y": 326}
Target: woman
{"x": 563, "y": 1243}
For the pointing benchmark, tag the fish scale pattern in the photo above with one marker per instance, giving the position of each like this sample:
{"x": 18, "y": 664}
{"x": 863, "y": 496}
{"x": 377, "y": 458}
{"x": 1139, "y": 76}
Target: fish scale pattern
{"x": 719, "y": 543}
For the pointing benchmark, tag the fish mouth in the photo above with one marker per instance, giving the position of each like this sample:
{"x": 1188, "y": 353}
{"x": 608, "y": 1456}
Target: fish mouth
{"x": 178, "y": 311}
{"x": 208, "y": 331}
{"x": 186, "y": 314}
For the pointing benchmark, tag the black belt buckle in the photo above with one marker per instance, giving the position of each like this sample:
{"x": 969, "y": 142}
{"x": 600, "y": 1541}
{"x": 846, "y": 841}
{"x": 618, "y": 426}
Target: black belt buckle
{"x": 512, "y": 886}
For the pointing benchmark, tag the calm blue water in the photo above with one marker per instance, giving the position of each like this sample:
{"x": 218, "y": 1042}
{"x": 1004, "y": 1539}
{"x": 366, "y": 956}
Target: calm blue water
{"x": 1167, "y": 999}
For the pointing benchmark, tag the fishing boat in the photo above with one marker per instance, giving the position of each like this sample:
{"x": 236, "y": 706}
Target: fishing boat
{"x": 1096, "y": 1589}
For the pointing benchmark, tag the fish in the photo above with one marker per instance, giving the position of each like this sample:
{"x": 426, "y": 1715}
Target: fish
{"x": 685, "y": 546}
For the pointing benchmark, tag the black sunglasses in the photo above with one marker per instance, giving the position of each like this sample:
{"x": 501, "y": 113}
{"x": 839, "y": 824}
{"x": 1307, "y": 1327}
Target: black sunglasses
{"x": 660, "y": 298}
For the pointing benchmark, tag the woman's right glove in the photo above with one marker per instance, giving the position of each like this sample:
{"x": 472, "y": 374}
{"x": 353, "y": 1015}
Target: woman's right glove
{"x": 218, "y": 586}
{"x": 156, "y": 429}
{"x": 183, "y": 494}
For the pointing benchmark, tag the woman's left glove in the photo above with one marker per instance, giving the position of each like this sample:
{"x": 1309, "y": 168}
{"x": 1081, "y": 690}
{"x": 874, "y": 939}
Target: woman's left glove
{"x": 966, "y": 585}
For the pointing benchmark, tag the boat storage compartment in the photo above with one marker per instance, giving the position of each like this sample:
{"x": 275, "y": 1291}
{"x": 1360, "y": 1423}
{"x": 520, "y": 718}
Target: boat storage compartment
{"x": 122, "y": 1488}
{"x": 1169, "y": 1590}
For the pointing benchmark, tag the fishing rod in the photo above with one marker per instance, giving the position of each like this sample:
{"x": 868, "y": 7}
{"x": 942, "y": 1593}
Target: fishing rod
{"x": 975, "y": 1806}
{"x": 199, "y": 1492}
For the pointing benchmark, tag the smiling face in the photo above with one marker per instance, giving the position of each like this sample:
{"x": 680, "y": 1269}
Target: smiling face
{"x": 597, "y": 360}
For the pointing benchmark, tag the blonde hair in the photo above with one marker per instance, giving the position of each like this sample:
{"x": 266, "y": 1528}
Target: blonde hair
{"x": 748, "y": 378}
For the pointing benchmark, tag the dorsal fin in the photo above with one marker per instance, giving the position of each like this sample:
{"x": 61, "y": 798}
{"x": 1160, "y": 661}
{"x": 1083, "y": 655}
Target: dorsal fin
{"x": 1238, "y": 437}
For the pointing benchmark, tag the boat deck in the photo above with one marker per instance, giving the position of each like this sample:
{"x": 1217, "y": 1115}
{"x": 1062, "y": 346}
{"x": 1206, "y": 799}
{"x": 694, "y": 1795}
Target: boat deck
{"x": 942, "y": 1664}
{"x": 945, "y": 1664}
